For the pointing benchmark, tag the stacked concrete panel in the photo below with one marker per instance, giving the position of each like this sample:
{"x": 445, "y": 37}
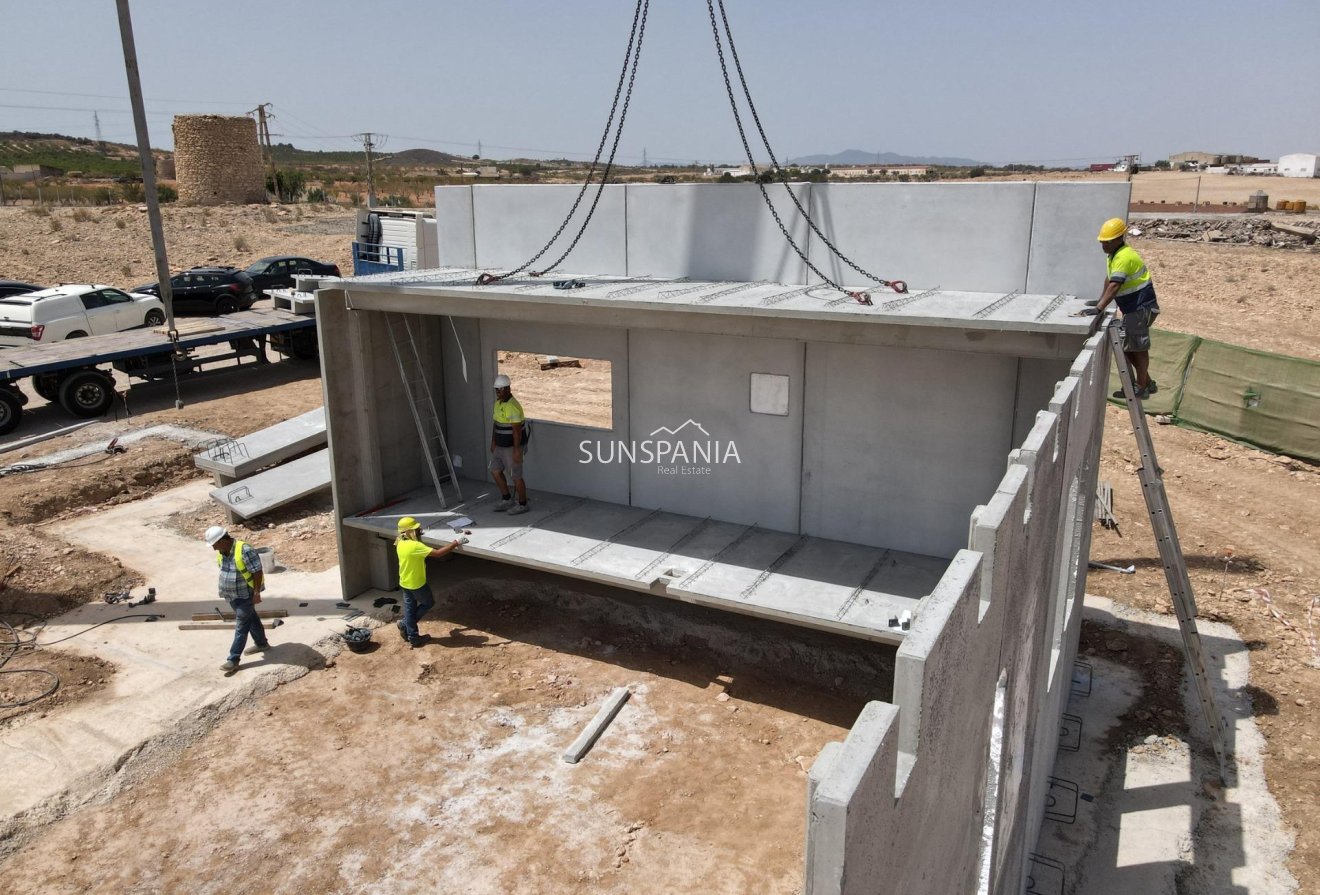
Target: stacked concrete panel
{"x": 217, "y": 160}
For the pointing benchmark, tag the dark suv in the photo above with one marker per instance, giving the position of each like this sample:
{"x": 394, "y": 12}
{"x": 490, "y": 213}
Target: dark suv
{"x": 209, "y": 290}
{"x": 277, "y": 271}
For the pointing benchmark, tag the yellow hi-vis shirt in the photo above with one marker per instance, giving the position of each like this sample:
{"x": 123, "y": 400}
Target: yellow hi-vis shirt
{"x": 1126, "y": 268}
{"x": 505, "y": 414}
{"x": 412, "y": 563}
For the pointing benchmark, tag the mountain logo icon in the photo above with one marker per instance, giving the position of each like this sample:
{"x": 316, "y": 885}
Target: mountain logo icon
{"x": 668, "y": 431}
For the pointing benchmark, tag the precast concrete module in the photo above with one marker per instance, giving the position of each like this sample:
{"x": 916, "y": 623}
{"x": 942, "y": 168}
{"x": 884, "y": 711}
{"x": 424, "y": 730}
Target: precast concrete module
{"x": 917, "y": 472}
{"x": 217, "y": 160}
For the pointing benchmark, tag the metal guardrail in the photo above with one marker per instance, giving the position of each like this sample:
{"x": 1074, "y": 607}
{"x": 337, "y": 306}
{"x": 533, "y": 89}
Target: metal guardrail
{"x": 370, "y": 258}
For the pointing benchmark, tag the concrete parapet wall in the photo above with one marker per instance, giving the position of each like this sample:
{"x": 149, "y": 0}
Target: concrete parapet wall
{"x": 975, "y": 236}
{"x": 217, "y": 160}
{"x": 1006, "y": 610}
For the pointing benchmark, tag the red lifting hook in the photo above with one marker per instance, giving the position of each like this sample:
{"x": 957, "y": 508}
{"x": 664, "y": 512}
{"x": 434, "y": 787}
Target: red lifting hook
{"x": 898, "y": 286}
{"x": 863, "y": 298}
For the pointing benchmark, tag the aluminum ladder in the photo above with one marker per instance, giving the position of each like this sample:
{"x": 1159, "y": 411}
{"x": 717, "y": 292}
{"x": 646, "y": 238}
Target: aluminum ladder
{"x": 422, "y": 405}
{"x": 1171, "y": 555}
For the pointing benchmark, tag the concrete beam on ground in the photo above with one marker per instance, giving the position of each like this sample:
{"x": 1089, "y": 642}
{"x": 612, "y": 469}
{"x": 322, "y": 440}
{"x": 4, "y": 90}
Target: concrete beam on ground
{"x": 234, "y": 459}
{"x": 263, "y": 492}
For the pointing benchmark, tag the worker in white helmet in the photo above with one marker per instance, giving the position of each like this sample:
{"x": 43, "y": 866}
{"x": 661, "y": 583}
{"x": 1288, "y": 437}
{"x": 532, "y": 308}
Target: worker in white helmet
{"x": 508, "y": 442}
{"x": 241, "y": 584}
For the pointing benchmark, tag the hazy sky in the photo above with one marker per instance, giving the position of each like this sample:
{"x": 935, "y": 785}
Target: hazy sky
{"x": 1028, "y": 81}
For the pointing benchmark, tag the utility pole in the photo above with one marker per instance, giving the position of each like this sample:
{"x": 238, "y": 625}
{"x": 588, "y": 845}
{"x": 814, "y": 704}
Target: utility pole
{"x": 148, "y": 172}
{"x": 370, "y": 142}
{"x": 263, "y": 134}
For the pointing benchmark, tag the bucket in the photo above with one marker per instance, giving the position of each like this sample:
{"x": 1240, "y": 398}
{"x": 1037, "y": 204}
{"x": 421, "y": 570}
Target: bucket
{"x": 267, "y": 555}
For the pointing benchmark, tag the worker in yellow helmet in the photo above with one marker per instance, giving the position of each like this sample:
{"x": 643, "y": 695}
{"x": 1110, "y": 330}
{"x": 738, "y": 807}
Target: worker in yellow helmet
{"x": 1128, "y": 282}
{"x": 509, "y": 437}
{"x": 417, "y": 598}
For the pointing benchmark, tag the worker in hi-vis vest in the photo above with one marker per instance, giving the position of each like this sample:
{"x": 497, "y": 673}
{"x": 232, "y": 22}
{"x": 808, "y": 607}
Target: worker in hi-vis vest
{"x": 1128, "y": 282}
{"x": 417, "y": 598}
{"x": 241, "y": 584}
{"x": 508, "y": 441}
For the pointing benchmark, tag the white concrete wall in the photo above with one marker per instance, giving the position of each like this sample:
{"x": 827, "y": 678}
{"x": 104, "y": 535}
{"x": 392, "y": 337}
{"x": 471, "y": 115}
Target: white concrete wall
{"x": 900, "y": 445}
{"x": 1028, "y": 236}
{"x": 705, "y": 378}
{"x": 995, "y": 610}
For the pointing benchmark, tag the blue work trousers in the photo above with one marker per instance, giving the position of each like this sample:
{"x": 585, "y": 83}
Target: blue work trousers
{"x": 246, "y": 621}
{"x": 416, "y": 603}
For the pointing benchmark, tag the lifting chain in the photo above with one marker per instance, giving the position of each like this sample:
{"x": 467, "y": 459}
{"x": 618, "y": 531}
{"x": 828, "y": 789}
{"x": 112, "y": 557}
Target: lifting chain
{"x": 630, "y": 60}
{"x": 897, "y": 285}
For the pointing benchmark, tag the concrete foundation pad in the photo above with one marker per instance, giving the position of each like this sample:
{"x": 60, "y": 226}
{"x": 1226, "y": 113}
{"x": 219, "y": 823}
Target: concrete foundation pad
{"x": 1150, "y": 817}
{"x": 813, "y": 582}
{"x": 163, "y": 677}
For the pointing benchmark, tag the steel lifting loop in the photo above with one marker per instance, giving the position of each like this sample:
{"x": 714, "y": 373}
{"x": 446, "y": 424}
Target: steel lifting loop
{"x": 898, "y": 286}
{"x": 863, "y": 298}
{"x": 487, "y": 278}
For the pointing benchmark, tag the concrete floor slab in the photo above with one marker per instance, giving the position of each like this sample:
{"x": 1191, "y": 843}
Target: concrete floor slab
{"x": 813, "y": 582}
{"x": 163, "y": 677}
{"x": 1044, "y": 313}
{"x": 263, "y": 492}
{"x": 265, "y": 447}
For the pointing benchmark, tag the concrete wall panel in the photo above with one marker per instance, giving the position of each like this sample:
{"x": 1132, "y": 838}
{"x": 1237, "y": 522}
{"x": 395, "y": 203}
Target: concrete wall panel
{"x": 1037, "y": 379}
{"x": 888, "y": 465}
{"x": 454, "y": 226}
{"x": 970, "y": 236}
{"x": 1064, "y": 254}
{"x": 554, "y": 459}
{"x": 714, "y": 232}
{"x": 678, "y": 378}
{"x": 466, "y": 396}
{"x": 512, "y": 223}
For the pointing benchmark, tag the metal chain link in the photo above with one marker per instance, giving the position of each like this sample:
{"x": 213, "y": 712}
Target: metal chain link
{"x": 630, "y": 56}
{"x": 896, "y": 285}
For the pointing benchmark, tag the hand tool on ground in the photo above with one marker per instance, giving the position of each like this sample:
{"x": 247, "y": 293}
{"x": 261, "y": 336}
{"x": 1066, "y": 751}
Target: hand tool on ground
{"x": 1130, "y": 570}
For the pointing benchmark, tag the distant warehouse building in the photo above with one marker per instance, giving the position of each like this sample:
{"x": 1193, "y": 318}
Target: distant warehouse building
{"x": 1299, "y": 164}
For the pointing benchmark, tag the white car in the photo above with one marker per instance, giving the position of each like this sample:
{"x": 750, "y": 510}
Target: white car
{"x": 70, "y": 312}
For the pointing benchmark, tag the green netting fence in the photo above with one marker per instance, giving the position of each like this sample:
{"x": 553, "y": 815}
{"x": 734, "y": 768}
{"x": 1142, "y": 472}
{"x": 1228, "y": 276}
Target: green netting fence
{"x": 1271, "y": 401}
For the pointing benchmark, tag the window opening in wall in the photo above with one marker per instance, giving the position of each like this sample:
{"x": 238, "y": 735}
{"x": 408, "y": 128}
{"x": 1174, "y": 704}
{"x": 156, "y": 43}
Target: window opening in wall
{"x": 557, "y": 388}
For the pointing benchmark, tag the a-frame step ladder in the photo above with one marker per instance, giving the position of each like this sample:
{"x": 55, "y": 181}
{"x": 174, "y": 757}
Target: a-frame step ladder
{"x": 420, "y": 402}
{"x": 1171, "y": 555}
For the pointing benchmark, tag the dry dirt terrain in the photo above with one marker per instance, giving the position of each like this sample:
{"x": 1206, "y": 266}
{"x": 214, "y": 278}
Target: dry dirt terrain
{"x": 340, "y": 758}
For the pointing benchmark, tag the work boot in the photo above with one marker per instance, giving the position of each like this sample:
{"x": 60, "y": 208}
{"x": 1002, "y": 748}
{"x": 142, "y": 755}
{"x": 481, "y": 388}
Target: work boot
{"x": 256, "y": 648}
{"x": 1152, "y": 388}
{"x": 403, "y": 632}
{"x": 229, "y": 666}
{"x": 517, "y": 509}
{"x": 504, "y": 504}
{"x": 417, "y": 642}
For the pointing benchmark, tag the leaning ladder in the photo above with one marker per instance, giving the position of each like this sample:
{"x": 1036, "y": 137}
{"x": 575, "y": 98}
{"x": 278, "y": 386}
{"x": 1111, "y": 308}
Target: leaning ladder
{"x": 422, "y": 405}
{"x": 1171, "y": 555}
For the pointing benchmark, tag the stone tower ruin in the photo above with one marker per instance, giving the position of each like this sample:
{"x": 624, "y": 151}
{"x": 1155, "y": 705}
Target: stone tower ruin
{"x": 218, "y": 160}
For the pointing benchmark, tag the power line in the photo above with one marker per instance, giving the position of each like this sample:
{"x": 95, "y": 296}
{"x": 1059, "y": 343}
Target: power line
{"x": 202, "y": 102}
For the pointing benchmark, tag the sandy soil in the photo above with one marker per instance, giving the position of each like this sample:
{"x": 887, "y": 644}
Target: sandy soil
{"x": 113, "y": 245}
{"x": 1176, "y": 187}
{"x": 370, "y": 813}
{"x": 439, "y": 770}
{"x": 566, "y": 394}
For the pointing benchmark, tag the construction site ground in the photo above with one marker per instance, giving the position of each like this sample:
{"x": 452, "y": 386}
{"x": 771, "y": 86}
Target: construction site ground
{"x": 400, "y": 770}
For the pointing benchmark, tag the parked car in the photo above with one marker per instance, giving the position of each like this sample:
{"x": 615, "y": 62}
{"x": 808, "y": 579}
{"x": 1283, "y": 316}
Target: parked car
{"x": 14, "y": 287}
{"x": 277, "y": 272}
{"x": 208, "y": 290}
{"x": 69, "y": 312}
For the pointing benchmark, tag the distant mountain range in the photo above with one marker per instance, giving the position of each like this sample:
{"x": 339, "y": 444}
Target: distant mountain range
{"x": 859, "y": 157}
